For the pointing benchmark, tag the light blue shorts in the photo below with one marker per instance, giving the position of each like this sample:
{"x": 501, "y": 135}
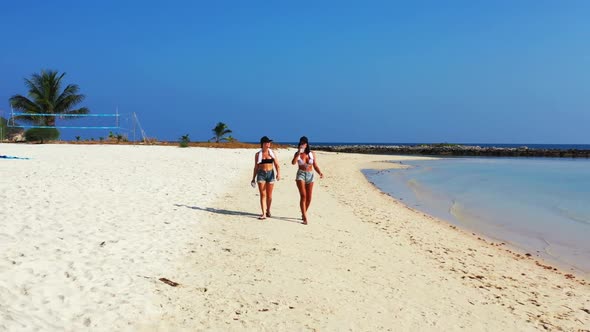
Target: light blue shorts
{"x": 304, "y": 176}
{"x": 265, "y": 176}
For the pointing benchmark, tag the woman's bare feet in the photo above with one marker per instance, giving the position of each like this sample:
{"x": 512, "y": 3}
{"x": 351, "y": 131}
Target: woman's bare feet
{"x": 304, "y": 217}
{"x": 268, "y": 214}
{"x": 262, "y": 217}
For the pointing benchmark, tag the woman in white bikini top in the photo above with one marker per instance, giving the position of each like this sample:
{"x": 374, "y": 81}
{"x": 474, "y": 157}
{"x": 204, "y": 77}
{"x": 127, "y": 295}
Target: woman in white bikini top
{"x": 303, "y": 165}
{"x": 306, "y": 163}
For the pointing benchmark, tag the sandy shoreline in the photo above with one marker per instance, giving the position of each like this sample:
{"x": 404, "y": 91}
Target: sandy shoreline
{"x": 88, "y": 231}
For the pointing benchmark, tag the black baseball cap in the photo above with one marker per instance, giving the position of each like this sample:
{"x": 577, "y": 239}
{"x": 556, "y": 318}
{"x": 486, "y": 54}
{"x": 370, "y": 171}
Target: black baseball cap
{"x": 265, "y": 139}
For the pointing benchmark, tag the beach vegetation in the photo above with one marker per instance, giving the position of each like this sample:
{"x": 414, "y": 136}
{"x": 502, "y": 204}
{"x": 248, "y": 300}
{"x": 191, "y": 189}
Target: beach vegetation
{"x": 10, "y": 133}
{"x": 45, "y": 96}
{"x": 220, "y": 130}
{"x": 117, "y": 137}
{"x": 3, "y": 128}
{"x": 41, "y": 134}
{"x": 184, "y": 140}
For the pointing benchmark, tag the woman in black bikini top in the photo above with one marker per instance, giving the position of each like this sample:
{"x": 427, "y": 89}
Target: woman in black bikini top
{"x": 265, "y": 163}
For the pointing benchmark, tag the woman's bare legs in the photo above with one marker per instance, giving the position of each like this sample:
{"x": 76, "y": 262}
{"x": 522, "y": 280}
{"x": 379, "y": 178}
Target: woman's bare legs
{"x": 269, "y": 187}
{"x": 262, "y": 189}
{"x": 308, "y": 191}
{"x": 302, "y": 199}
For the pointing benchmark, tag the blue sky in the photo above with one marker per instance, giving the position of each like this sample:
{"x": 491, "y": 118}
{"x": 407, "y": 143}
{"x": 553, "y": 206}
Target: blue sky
{"x": 336, "y": 71}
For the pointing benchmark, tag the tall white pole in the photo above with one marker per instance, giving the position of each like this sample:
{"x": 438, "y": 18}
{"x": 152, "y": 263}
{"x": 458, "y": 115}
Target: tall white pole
{"x": 134, "y": 141}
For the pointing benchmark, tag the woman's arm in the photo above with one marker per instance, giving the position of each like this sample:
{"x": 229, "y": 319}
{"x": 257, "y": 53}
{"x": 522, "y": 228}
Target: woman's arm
{"x": 255, "y": 167}
{"x": 294, "y": 161}
{"x": 315, "y": 165}
{"x": 277, "y": 167}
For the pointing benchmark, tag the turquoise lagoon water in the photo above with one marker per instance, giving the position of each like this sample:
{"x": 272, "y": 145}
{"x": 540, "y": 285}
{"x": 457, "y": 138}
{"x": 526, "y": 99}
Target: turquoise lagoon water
{"x": 540, "y": 205}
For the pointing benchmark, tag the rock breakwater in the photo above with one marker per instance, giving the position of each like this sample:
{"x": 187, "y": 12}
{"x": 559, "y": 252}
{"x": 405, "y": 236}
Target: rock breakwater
{"x": 456, "y": 150}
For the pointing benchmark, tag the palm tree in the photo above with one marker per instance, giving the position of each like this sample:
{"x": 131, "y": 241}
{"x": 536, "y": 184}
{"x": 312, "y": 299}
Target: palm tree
{"x": 184, "y": 140}
{"x": 220, "y": 130}
{"x": 46, "y": 97}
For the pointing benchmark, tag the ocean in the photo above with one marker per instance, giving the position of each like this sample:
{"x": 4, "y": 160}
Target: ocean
{"x": 540, "y": 205}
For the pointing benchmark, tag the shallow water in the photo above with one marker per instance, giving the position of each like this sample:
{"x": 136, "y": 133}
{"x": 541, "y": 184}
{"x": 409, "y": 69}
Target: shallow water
{"x": 538, "y": 204}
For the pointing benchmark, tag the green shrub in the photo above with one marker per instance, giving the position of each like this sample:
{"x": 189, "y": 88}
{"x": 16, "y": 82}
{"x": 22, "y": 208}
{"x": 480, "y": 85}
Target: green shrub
{"x": 41, "y": 134}
{"x": 3, "y": 128}
{"x": 7, "y": 132}
{"x": 184, "y": 140}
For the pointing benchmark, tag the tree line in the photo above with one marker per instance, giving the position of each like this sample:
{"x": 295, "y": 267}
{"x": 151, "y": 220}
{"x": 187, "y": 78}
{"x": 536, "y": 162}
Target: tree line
{"x": 46, "y": 100}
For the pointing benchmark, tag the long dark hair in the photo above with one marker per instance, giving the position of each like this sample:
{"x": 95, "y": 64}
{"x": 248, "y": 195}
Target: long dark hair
{"x": 304, "y": 139}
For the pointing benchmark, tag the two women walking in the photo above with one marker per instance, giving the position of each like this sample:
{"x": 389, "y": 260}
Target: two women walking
{"x": 265, "y": 164}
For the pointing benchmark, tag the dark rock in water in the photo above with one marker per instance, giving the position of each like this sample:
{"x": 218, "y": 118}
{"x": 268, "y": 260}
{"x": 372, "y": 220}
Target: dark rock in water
{"x": 456, "y": 150}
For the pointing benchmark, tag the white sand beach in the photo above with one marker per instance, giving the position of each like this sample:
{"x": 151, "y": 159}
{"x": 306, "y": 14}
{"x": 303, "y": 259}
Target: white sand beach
{"x": 88, "y": 231}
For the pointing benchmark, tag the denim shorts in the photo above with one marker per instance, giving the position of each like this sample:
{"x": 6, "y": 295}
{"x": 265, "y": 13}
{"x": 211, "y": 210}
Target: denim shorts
{"x": 265, "y": 176}
{"x": 304, "y": 176}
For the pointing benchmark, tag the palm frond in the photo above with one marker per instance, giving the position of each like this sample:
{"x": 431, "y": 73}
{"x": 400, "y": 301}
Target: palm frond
{"x": 35, "y": 91}
{"x": 68, "y": 99}
{"x": 81, "y": 110}
{"x": 23, "y": 104}
{"x": 46, "y": 97}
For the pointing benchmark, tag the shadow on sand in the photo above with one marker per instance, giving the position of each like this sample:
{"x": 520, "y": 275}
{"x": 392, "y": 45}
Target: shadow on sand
{"x": 237, "y": 213}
